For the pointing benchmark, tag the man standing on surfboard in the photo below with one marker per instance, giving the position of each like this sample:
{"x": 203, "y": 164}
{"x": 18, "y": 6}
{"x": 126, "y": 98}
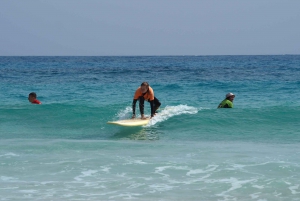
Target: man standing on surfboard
{"x": 145, "y": 92}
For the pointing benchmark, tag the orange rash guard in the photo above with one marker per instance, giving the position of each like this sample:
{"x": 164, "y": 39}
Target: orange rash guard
{"x": 149, "y": 95}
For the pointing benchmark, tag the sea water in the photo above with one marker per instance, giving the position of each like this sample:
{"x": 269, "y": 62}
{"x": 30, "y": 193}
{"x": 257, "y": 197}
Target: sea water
{"x": 64, "y": 150}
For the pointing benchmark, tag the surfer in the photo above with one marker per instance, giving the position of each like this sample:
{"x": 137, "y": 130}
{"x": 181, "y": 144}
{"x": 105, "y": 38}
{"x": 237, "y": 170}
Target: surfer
{"x": 228, "y": 101}
{"x": 32, "y": 98}
{"x": 145, "y": 92}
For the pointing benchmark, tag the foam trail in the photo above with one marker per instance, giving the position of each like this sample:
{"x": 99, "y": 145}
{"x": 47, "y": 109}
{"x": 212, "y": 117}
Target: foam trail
{"x": 125, "y": 114}
{"x": 170, "y": 111}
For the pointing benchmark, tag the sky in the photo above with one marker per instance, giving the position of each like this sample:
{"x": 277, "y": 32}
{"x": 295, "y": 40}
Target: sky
{"x": 149, "y": 27}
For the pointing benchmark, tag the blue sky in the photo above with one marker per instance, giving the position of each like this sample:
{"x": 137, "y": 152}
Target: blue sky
{"x": 149, "y": 27}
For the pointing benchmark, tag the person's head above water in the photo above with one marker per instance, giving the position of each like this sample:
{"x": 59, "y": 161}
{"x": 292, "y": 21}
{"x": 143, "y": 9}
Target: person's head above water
{"x": 144, "y": 87}
{"x": 32, "y": 98}
{"x": 230, "y": 96}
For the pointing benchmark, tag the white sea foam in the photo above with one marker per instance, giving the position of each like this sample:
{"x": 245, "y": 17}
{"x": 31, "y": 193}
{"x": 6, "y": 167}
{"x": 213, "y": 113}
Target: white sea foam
{"x": 210, "y": 168}
{"x": 135, "y": 185}
{"x": 139, "y": 162}
{"x": 125, "y": 195}
{"x": 163, "y": 168}
{"x": 235, "y": 184}
{"x": 4, "y": 178}
{"x": 85, "y": 174}
{"x": 254, "y": 195}
{"x": 161, "y": 187}
{"x": 125, "y": 114}
{"x": 257, "y": 186}
{"x": 162, "y": 115}
{"x": 171, "y": 111}
{"x": 9, "y": 154}
{"x": 294, "y": 188}
{"x": 105, "y": 169}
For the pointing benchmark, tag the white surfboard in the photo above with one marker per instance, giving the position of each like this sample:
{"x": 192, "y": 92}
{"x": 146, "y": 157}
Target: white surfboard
{"x": 130, "y": 122}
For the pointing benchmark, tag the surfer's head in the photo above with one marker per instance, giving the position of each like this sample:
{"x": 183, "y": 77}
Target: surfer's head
{"x": 230, "y": 96}
{"x": 32, "y": 97}
{"x": 144, "y": 87}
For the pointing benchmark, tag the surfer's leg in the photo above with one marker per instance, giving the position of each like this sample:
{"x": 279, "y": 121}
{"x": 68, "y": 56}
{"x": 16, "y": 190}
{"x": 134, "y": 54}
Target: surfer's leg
{"x": 156, "y": 104}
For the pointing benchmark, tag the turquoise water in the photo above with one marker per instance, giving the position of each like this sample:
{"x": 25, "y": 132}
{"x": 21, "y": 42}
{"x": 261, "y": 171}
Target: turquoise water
{"x": 64, "y": 150}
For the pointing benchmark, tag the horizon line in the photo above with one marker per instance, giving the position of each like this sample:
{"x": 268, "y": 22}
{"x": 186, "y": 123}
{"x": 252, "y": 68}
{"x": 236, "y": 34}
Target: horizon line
{"x": 187, "y": 55}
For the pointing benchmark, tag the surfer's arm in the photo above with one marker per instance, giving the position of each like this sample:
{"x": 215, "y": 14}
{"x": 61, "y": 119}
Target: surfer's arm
{"x": 133, "y": 107}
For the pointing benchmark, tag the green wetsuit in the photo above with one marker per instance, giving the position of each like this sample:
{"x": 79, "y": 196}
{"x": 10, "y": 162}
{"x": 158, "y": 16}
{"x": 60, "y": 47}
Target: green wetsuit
{"x": 226, "y": 104}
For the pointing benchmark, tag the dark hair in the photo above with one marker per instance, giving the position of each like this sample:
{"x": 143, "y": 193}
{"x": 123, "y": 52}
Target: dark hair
{"x": 33, "y": 94}
{"x": 145, "y": 84}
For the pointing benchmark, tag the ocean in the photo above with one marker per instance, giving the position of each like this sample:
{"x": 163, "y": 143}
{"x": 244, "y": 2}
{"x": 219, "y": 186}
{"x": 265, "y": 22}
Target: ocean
{"x": 63, "y": 149}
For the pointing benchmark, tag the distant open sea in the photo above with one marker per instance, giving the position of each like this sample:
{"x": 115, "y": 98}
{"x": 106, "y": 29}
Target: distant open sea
{"x": 64, "y": 149}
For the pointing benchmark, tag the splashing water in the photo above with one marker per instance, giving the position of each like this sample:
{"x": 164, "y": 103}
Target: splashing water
{"x": 171, "y": 111}
{"x": 125, "y": 114}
